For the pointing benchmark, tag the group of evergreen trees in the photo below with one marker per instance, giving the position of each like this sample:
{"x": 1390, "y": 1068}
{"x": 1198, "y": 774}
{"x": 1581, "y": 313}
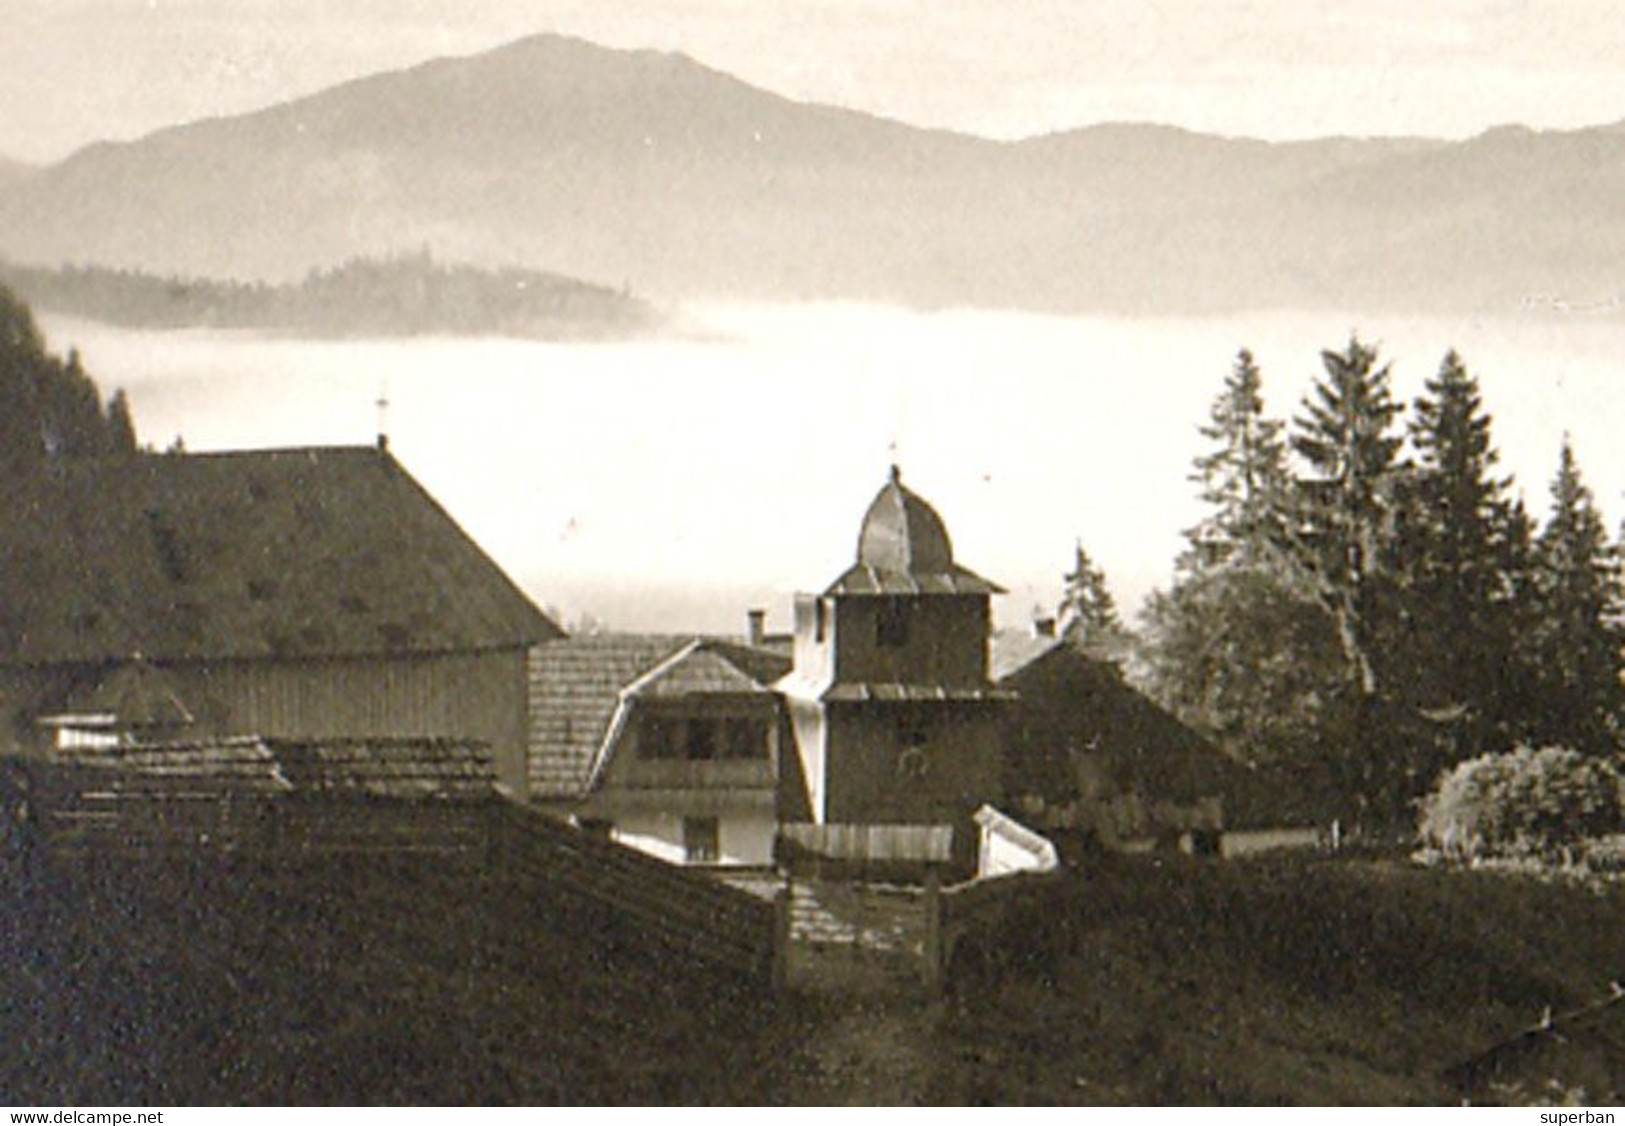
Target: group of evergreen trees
{"x": 1365, "y": 603}
{"x": 49, "y": 407}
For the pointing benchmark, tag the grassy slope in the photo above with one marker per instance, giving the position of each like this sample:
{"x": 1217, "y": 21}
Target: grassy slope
{"x": 1282, "y": 981}
{"x": 362, "y": 982}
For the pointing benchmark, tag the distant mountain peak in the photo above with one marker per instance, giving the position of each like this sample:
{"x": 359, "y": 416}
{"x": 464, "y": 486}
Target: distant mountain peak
{"x": 646, "y": 167}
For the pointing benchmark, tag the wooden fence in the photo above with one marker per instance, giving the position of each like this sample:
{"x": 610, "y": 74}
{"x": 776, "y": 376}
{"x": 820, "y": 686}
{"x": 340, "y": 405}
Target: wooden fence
{"x": 693, "y": 915}
{"x": 245, "y": 809}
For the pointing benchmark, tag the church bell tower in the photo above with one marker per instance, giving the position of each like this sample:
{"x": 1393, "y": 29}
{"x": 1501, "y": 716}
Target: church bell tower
{"x": 895, "y": 718}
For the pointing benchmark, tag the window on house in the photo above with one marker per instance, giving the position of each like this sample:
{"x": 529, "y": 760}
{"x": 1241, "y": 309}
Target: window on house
{"x": 702, "y": 739}
{"x": 662, "y": 738}
{"x": 891, "y": 623}
{"x": 744, "y": 739}
{"x": 820, "y": 619}
{"x": 701, "y": 840}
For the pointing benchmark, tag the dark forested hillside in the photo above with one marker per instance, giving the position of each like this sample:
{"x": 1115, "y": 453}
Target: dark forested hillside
{"x": 400, "y": 295}
{"x": 49, "y": 407}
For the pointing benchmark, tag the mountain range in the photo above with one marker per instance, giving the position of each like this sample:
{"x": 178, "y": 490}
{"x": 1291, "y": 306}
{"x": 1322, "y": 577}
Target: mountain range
{"x": 654, "y": 171}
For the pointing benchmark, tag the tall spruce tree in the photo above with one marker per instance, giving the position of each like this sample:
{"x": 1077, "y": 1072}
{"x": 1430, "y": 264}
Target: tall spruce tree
{"x": 1461, "y": 562}
{"x": 1577, "y": 640}
{"x": 1237, "y": 648}
{"x": 1343, "y": 519}
{"x": 1342, "y": 541}
{"x": 1244, "y": 480}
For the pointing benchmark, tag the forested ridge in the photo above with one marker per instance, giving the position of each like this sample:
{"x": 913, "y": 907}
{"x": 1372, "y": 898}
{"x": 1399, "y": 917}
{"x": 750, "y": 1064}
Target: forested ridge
{"x": 411, "y": 294}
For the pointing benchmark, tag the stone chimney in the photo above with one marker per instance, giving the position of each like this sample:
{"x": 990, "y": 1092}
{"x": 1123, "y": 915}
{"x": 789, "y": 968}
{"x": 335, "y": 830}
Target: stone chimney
{"x": 756, "y": 627}
{"x": 1043, "y": 626}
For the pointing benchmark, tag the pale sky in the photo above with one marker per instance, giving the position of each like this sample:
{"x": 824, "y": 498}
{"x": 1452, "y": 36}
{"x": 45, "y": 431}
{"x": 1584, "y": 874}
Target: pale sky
{"x": 76, "y": 71}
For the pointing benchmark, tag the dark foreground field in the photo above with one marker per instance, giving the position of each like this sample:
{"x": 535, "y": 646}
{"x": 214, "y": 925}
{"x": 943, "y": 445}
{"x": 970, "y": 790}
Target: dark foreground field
{"x": 353, "y": 981}
{"x": 1285, "y": 981}
{"x": 1142, "y": 982}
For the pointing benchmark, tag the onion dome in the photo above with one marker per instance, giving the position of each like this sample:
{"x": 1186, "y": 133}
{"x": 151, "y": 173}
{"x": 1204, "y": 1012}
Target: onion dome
{"x": 903, "y": 548}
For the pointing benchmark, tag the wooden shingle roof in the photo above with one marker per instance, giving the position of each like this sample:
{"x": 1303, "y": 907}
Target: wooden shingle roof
{"x": 242, "y": 765}
{"x": 378, "y": 767}
{"x": 1073, "y": 703}
{"x": 575, "y": 686}
{"x": 383, "y": 767}
{"x": 279, "y": 553}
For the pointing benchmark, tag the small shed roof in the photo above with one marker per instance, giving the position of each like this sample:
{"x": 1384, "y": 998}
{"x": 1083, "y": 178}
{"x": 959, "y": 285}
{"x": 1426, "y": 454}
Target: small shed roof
{"x": 399, "y": 768}
{"x": 388, "y": 767}
{"x": 132, "y": 695}
{"x": 242, "y": 765}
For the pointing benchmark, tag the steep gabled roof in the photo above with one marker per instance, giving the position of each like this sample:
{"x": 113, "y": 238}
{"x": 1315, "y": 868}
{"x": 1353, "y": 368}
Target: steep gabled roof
{"x": 279, "y": 553}
{"x": 578, "y": 686}
{"x": 1071, "y": 702}
{"x": 695, "y": 670}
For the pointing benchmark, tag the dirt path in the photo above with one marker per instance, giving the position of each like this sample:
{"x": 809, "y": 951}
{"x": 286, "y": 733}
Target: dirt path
{"x": 869, "y": 1051}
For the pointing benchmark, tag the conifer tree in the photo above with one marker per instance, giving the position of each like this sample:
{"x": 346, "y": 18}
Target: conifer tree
{"x": 1087, "y": 611}
{"x": 1460, "y": 543}
{"x": 1244, "y": 479}
{"x": 1235, "y": 648}
{"x": 49, "y": 408}
{"x": 1577, "y": 640}
{"x": 1342, "y": 526}
{"x": 120, "y": 425}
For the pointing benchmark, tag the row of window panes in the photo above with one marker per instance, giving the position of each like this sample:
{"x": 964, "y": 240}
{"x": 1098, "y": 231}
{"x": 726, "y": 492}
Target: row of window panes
{"x": 703, "y": 739}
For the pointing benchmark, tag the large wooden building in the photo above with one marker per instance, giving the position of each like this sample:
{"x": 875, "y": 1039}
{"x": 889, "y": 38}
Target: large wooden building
{"x": 306, "y": 593}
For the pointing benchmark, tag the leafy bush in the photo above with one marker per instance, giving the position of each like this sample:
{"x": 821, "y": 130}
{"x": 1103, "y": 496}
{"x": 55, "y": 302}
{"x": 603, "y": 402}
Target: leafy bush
{"x": 1525, "y": 803}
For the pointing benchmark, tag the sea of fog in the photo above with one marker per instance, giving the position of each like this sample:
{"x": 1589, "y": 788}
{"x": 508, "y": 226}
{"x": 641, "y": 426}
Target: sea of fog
{"x": 671, "y": 483}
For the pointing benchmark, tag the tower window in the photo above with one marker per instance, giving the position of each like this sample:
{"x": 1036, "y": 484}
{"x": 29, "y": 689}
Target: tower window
{"x": 891, "y": 623}
{"x": 820, "y": 620}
